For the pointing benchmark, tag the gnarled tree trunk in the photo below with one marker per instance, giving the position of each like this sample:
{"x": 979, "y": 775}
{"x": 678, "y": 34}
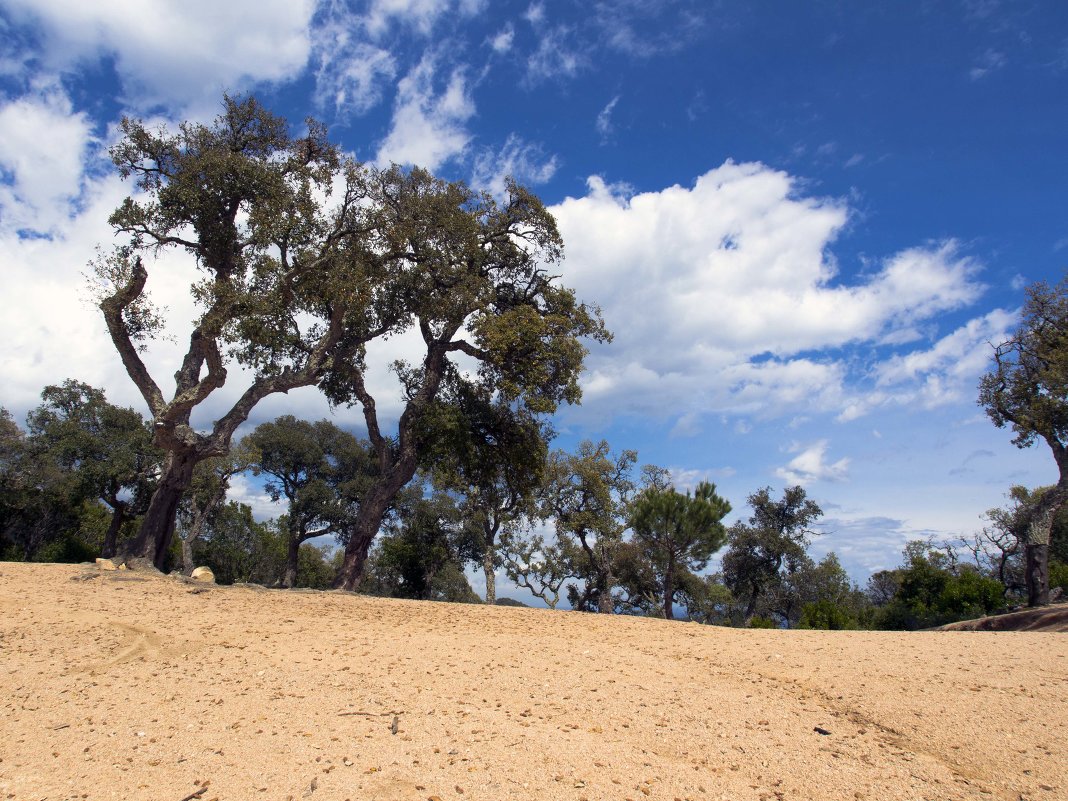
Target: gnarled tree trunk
{"x": 157, "y": 528}
{"x": 369, "y": 519}
{"x": 669, "y": 589}
{"x": 289, "y": 580}
{"x": 1036, "y": 549}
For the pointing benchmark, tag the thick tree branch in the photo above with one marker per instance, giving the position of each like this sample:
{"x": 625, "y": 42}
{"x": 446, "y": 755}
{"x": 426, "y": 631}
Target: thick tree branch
{"x": 113, "y": 307}
{"x": 466, "y": 347}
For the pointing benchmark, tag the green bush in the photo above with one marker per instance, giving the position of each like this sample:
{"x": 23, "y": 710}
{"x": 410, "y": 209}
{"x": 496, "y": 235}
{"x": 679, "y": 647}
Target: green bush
{"x": 762, "y": 623}
{"x": 930, "y": 596}
{"x": 826, "y": 615}
{"x": 70, "y": 549}
{"x": 1058, "y": 574}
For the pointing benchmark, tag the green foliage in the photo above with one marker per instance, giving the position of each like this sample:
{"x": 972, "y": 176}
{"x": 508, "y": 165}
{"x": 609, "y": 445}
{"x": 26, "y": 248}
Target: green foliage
{"x": 1028, "y": 388}
{"x": 758, "y": 622}
{"x": 493, "y": 455}
{"x": 539, "y": 566}
{"x": 932, "y": 592}
{"x": 828, "y": 615}
{"x": 1058, "y": 575}
{"x": 69, "y": 550}
{"x": 678, "y": 532}
{"x": 511, "y": 602}
{"x": 706, "y": 598}
{"x": 238, "y": 549}
{"x": 450, "y": 585}
{"x": 764, "y": 553}
{"x": 423, "y": 543}
{"x": 79, "y": 450}
{"x": 1028, "y": 391}
{"x": 314, "y": 567}
{"x": 321, "y": 471}
{"x": 1058, "y": 543}
{"x": 588, "y": 494}
{"x": 823, "y": 582}
{"x": 106, "y": 450}
{"x": 294, "y": 287}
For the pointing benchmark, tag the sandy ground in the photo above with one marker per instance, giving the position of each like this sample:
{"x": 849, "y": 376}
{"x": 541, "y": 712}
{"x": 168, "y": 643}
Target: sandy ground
{"x": 127, "y": 686}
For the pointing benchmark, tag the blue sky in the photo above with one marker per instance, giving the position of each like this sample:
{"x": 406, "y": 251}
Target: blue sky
{"x": 805, "y": 223}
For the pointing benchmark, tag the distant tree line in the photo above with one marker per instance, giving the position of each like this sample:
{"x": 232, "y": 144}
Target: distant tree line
{"x": 587, "y": 527}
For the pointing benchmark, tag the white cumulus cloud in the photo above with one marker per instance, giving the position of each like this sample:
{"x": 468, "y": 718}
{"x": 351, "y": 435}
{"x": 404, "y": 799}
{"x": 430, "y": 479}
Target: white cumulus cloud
{"x": 810, "y": 466}
{"x": 176, "y": 52}
{"x": 718, "y": 293}
{"x": 43, "y": 148}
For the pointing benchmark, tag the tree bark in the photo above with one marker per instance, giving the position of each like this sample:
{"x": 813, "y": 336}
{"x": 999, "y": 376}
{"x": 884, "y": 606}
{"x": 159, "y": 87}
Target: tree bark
{"x": 111, "y": 537}
{"x": 289, "y": 580}
{"x": 1036, "y": 549}
{"x": 1037, "y": 554}
{"x": 157, "y": 529}
{"x": 750, "y": 607}
{"x": 669, "y": 589}
{"x": 188, "y": 566}
{"x": 605, "y": 605}
{"x": 373, "y": 510}
{"x": 491, "y": 576}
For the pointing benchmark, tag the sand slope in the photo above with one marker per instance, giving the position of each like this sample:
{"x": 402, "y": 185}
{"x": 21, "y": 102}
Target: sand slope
{"x": 121, "y": 685}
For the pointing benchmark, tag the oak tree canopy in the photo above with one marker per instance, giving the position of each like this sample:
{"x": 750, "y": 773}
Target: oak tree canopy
{"x": 305, "y": 256}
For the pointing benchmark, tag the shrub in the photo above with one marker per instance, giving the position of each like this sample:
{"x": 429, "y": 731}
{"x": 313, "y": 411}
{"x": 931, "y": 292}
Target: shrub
{"x": 1058, "y": 575}
{"x": 826, "y": 615}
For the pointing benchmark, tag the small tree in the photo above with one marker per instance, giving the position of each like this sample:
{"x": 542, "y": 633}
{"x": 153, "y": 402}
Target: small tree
{"x": 773, "y": 541}
{"x": 588, "y": 493}
{"x": 238, "y": 549}
{"x": 205, "y": 496}
{"x": 541, "y": 567}
{"x": 678, "y": 532}
{"x": 473, "y": 283}
{"x": 106, "y": 451}
{"x": 493, "y": 454}
{"x": 316, "y": 468}
{"x": 427, "y": 538}
{"x": 1028, "y": 391}
{"x": 934, "y": 589}
{"x": 40, "y": 501}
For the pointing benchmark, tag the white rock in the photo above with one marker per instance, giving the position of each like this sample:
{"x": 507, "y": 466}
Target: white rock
{"x": 203, "y": 574}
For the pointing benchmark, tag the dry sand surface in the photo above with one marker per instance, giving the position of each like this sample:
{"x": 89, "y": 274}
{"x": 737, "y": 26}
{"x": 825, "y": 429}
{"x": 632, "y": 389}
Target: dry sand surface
{"x": 127, "y": 685}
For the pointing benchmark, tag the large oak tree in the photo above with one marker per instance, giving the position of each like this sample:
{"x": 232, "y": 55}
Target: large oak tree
{"x": 305, "y": 257}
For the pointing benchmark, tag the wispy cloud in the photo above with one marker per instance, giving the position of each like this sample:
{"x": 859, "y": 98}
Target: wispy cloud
{"x": 501, "y": 42}
{"x": 558, "y": 55}
{"x": 990, "y": 61}
{"x": 527, "y": 163}
{"x": 351, "y": 75}
{"x": 429, "y": 126}
{"x": 604, "y": 118}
